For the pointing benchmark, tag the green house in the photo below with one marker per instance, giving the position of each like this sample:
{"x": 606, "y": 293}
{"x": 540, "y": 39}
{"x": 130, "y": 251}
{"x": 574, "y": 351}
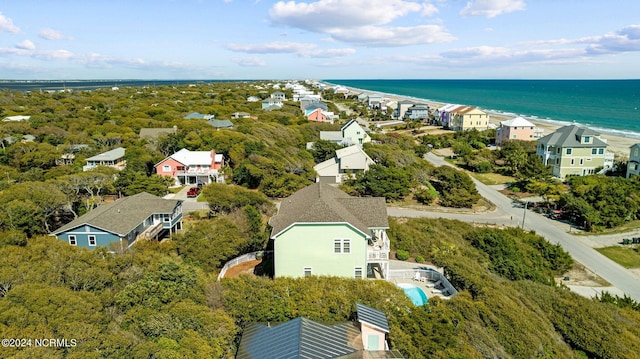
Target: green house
{"x": 321, "y": 230}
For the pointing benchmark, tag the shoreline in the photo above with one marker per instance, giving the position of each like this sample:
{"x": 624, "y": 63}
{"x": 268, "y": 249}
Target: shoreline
{"x": 619, "y": 143}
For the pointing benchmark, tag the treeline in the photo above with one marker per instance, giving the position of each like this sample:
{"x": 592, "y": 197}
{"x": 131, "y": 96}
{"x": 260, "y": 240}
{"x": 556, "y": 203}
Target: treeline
{"x": 598, "y": 202}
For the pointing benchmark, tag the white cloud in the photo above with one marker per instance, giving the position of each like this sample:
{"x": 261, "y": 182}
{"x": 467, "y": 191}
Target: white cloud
{"x": 330, "y": 53}
{"x": 252, "y": 61}
{"x": 26, "y": 45}
{"x": 6, "y": 24}
{"x": 395, "y": 36}
{"x": 361, "y": 22}
{"x": 429, "y": 9}
{"x": 325, "y": 15}
{"x": 51, "y": 34}
{"x": 277, "y": 47}
{"x": 299, "y": 48}
{"x": 492, "y": 8}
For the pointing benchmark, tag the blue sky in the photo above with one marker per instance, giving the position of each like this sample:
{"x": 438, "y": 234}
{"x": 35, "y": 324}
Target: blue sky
{"x": 319, "y": 39}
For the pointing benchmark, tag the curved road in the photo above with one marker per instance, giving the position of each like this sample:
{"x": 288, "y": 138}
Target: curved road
{"x": 509, "y": 213}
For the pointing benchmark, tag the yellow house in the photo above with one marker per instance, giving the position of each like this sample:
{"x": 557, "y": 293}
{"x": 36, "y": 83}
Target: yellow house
{"x": 574, "y": 151}
{"x": 465, "y": 118}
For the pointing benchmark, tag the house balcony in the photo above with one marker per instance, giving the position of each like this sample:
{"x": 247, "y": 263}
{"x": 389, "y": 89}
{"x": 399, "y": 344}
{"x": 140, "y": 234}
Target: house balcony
{"x": 198, "y": 172}
{"x": 152, "y": 231}
{"x": 377, "y": 254}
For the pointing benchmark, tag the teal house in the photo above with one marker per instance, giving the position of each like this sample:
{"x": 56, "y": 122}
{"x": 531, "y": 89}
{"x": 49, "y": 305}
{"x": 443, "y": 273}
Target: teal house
{"x": 321, "y": 230}
{"x": 119, "y": 224}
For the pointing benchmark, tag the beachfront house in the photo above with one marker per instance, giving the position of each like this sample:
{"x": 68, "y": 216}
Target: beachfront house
{"x": 320, "y": 230}
{"x": 365, "y": 337}
{"x": 192, "y": 167}
{"x": 117, "y": 225}
{"x": 401, "y": 108}
{"x": 574, "y": 151}
{"x": 114, "y": 159}
{"x": 347, "y": 162}
{"x": 633, "y": 166}
{"x": 417, "y": 112}
{"x": 517, "y": 129}
{"x": 464, "y": 118}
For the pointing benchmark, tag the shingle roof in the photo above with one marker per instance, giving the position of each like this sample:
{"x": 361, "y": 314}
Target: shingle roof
{"x": 298, "y": 338}
{"x": 316, "y": 105}
{"x": 372, "y": 317}
{"x": 114, "y": 154}
{"x": 124, "y": 215}
{"x": 321, "y": 203}
{"x": 569, "y": 136}
{"x": 220, "y": 123}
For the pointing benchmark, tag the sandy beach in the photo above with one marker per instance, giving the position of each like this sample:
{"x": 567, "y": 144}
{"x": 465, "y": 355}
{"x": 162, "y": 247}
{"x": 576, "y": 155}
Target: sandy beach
{"x": 619, "y": 145}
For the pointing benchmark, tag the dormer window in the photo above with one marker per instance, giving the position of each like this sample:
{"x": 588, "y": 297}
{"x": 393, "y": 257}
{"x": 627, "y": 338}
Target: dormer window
{"x": 587, "y": 139}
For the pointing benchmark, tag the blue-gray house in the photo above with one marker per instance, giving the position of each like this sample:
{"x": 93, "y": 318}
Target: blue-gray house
{"x": 119, "y": 224}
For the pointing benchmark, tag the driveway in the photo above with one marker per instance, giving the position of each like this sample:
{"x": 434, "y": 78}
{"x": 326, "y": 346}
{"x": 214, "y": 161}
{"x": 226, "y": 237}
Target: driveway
{"x": 188, "y": 204}
{"x": 509, "y": 213}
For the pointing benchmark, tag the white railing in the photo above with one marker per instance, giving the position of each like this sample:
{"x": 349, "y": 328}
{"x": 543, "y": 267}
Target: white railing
{"x": 431, "y": 275}
{"x": 197, "y": 172}
{"x": 252, "y": 256}
{"x": 377, "y": 254}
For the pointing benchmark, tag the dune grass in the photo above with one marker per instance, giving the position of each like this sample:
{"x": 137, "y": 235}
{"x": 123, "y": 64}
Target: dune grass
{"x": 625, "y": 256}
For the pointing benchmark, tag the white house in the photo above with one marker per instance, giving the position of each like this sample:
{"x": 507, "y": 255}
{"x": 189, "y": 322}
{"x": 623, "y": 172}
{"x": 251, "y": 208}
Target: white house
{"x": 347, "y": 162}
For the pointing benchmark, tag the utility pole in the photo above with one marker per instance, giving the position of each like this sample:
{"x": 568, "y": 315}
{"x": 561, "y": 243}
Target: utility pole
{"x": 524, "y": 214}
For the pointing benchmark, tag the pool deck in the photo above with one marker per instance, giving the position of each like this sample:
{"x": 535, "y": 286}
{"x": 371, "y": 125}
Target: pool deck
{"x": 430, "y": 288}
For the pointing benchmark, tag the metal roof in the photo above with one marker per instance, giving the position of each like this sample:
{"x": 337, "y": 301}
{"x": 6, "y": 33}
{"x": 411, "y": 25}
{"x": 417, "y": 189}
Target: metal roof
{"x": 114, "y": 154}
{"x": 372, "y": 317}
{"x": 298, "y": 338}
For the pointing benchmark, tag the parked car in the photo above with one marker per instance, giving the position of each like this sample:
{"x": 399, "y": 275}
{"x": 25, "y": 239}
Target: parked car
{"x": 193, "y": 192}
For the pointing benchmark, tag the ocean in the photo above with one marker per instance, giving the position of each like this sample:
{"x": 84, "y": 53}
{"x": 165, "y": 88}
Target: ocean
{"x": 608, "y": 106}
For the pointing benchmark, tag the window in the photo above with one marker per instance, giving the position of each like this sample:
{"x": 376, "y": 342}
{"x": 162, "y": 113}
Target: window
{"x": 307, "y": 271}
{"x": 166, "y": 217}
{"x": 166, "y": 168}
{"x": 587, "y": 139}
{"x": 601, "y": 151}
{"x": 558, "y": 150}
{"x": 92, "y": 240}
{"x": 594, "y": 151}
{"x": 341, "y": 246}
{"x": 358, "y": 272}
{"x": 581, "y": 161}
{"x": 72, "y": 240}
{"x": 572, "y": 162}
{"x": 568, "y": 151}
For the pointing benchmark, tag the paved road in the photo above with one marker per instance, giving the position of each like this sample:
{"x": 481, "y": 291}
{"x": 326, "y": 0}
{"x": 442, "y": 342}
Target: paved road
{"x": 510, "y": 214}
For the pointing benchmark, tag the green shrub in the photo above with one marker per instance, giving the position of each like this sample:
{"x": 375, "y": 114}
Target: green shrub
{"x": 402, "y": 255}
{"x": 420, "y": 259}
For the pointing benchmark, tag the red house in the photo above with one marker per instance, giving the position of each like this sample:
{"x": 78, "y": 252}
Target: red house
{"x": 192, "y": 167}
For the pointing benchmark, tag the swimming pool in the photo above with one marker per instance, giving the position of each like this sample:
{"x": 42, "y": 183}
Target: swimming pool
{"x": 414, "y": 293}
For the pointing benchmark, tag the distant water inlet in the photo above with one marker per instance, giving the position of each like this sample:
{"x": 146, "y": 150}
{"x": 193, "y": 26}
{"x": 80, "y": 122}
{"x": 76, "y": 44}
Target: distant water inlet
{"x": 414, "y": 293}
